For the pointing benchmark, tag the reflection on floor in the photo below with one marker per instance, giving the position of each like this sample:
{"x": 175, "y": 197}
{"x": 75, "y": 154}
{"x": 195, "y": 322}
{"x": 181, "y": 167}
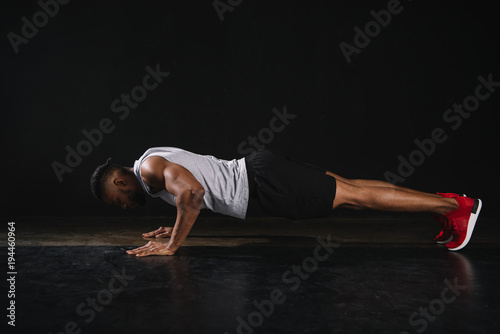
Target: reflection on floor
{"x": 310, "y": 280}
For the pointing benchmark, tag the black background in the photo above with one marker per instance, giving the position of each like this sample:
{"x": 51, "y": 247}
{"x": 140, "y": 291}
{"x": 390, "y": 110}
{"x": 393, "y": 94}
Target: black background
{"x": 225, "y": 79}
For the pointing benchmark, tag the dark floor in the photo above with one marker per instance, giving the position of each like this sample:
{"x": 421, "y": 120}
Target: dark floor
{"x": 299, "y": 283}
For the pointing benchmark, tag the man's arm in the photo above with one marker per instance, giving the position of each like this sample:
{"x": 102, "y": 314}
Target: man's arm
{"x": 161, "y": 174}
{"x": 189, "y": 198}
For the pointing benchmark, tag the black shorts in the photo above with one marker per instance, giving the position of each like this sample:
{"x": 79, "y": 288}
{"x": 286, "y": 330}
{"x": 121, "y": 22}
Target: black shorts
{"x": 289, "y": 189}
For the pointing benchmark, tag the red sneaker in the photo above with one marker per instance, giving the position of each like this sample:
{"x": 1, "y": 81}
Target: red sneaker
{"x": 446, "y": 234}
{"x": 463, "y": 221}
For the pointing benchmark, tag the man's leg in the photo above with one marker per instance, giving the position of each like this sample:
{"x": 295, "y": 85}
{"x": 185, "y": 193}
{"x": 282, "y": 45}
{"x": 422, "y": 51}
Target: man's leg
{"x": 384, "y": 196}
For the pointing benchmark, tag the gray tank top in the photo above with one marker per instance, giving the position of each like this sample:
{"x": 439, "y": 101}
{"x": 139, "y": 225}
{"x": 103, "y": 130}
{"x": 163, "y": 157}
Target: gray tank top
{"x": 225, "y": 182}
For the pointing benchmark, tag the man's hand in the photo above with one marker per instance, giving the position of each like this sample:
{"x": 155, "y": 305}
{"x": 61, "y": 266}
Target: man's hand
{"x": 151, "y": 248}
{"x": 154, "y": 247}
{"x": 162, "y": 232}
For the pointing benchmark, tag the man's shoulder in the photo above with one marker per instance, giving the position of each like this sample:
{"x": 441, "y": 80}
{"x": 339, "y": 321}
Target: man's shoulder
{"x": 152, "y": 169}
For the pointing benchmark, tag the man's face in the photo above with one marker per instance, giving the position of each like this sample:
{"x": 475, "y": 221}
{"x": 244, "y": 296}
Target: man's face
{"x": 126, "y": 196}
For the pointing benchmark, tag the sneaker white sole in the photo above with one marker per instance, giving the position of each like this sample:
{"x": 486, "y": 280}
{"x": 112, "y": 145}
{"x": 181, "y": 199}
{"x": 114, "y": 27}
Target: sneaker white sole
{"x": 472, "y": 223}
{"x": 445, "y": 241}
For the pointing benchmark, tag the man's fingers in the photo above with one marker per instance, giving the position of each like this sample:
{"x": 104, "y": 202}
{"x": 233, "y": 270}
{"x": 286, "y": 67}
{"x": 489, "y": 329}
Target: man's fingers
{"x": 151, "y": 248}
{"x": 155, "y": 232}
{"x": 164, "y": 234}
{"x": 139, "y": 249}
{"x": 152, "y": 233}
{"x": 154, "y": 251}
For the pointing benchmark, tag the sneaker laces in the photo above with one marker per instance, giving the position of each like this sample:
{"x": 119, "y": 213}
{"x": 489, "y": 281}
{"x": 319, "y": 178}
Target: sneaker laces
{"x": 451, "y": 225}
{"x": 448, "y": 224}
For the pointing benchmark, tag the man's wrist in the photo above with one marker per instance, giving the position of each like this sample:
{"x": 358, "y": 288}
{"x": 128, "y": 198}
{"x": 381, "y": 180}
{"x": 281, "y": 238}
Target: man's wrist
{"x": 172, "y": 247}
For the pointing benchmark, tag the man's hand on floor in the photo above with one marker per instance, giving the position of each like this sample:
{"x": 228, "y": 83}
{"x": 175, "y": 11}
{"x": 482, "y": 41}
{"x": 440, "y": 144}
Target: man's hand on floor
{"x": 154, "y": 247}
{"x": 151, "y": 248}
{"x": 162, "y": 232}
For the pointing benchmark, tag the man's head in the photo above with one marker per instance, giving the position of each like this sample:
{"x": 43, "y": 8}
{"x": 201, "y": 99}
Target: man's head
{"x": 117, "y": 185}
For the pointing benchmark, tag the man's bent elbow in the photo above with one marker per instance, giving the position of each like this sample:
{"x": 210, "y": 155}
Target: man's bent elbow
{"x": 192, "y": 199}
{"x": 198, "y": 194}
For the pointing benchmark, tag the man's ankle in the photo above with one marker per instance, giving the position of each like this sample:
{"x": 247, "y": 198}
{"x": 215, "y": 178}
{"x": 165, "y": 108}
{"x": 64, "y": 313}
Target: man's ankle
{"x": 451, "y": 205}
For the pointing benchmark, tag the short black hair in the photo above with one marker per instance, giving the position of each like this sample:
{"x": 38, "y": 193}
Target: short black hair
{"x": 100, "y": 176}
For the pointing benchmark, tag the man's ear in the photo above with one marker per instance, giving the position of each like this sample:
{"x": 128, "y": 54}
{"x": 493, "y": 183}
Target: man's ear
{"x": 120, "y": 182}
